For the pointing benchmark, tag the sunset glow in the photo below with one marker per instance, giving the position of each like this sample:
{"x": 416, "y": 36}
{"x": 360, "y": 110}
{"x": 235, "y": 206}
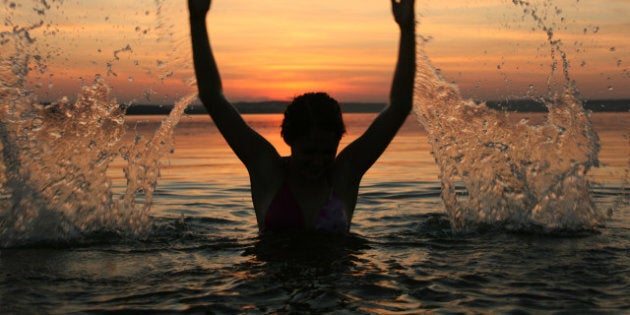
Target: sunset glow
{"x": 274, "y": 50}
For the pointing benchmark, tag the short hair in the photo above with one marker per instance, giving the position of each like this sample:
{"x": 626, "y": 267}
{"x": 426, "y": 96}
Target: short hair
{"x": 313, "y": 109}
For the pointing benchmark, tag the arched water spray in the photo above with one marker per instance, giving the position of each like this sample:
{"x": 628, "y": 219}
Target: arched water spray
{"x": 519, "y": 175}
{"x": 53, "y": 172}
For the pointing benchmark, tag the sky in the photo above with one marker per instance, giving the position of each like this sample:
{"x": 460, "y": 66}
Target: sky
{"x": 277, "y": 49}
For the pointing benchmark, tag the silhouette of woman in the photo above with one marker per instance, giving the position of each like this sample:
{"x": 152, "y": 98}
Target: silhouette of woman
{"x": 313, "y": 189}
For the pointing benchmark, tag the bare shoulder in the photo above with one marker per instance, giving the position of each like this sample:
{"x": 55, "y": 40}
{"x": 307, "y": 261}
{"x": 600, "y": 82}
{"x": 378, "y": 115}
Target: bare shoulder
{"x": 266, "y": 178}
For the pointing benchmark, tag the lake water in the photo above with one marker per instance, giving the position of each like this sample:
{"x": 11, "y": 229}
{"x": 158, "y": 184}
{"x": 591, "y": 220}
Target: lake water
{"x": 202, "y": 252}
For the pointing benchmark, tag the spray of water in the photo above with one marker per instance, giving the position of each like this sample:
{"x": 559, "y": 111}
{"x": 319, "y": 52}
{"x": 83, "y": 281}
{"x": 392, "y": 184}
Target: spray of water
{"x": 53, "y": 172}
{"x": 520, "y": 176}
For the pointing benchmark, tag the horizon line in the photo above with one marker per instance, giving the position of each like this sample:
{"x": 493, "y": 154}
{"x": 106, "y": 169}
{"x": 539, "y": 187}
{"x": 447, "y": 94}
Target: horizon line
{"x": 277, "y": 107}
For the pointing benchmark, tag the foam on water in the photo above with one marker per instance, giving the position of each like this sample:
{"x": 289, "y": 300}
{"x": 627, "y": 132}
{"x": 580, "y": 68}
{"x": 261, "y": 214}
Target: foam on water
{"x": 521, "y": 175}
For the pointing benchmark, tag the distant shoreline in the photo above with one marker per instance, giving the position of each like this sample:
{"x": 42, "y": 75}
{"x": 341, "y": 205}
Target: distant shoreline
{"x": 267, "y": 107}
{"x": 275, "y": 107}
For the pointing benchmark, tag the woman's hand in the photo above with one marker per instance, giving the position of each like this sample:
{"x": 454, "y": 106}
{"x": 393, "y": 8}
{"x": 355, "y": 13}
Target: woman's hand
{"x": 404, "y": 13}
{"x": 199, "y": 7}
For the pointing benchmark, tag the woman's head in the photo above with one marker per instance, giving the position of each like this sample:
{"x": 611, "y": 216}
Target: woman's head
{"x": 312, "y": 127}
{"x": 309, "y": 112}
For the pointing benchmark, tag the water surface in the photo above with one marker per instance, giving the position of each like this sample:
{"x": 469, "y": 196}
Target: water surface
{"x": 203, "y": 252}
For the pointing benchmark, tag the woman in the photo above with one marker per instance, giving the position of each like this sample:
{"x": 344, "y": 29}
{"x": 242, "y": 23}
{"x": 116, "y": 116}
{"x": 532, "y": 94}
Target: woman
{"x": 314, "y": 188}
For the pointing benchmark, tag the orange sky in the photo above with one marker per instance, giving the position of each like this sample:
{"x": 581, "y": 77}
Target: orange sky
{"x": 277, "y": 49}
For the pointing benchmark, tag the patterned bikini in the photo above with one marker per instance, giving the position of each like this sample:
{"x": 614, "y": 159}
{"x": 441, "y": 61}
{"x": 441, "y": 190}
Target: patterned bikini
{"x": 285, "y": 212}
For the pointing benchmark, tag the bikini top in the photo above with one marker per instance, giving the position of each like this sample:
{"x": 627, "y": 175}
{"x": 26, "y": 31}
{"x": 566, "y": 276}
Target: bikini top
{"x": 284, "y": 212}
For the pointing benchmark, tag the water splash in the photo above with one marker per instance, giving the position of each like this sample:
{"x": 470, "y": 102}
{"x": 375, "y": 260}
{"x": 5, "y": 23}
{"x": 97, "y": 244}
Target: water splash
{"x": 53, "y": 172}
{"x": 518, "y": 175}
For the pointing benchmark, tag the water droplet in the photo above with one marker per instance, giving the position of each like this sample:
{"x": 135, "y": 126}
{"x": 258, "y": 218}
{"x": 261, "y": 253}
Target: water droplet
{"x": 610, "y": 88}
{"x": 37, "y": 123}
{"x": 130, "y": 79}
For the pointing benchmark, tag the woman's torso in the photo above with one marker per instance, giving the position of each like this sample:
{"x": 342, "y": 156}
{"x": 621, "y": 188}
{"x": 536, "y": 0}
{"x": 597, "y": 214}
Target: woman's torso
{"x": 282, "y": 200}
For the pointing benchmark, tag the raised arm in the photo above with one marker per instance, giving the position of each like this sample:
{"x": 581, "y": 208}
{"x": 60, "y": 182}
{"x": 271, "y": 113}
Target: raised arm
{"x": 363, "y": 152}
{"x": 250, "y": 147}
